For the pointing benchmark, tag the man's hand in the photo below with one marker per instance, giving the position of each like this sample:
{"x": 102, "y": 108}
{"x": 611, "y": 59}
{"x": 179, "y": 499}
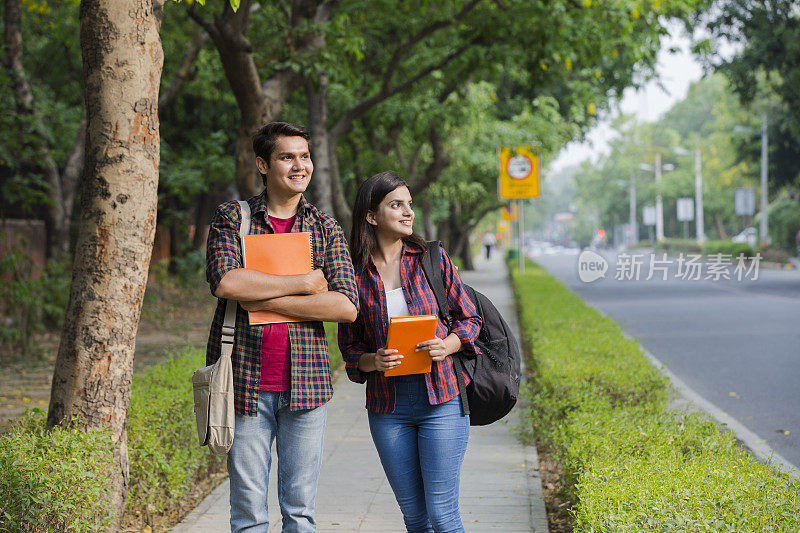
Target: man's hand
{"x": 315, "y": 282}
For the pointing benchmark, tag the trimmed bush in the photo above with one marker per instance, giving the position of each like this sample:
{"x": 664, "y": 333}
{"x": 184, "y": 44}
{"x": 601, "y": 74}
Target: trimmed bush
{"x": 165, "y": 458}
{"x": 630, "y": 463}
{"x": 54, "y": 480}
{"x": 678, "y": 246}
{"x": 734, "y": 249}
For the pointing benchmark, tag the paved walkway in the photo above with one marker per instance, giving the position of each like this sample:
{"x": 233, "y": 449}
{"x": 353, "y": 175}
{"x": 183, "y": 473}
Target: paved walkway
{"x": 500, "y": 485}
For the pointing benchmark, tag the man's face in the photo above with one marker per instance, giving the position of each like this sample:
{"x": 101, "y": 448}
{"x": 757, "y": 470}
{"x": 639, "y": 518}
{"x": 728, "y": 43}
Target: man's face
{"x": 290, "y": 167}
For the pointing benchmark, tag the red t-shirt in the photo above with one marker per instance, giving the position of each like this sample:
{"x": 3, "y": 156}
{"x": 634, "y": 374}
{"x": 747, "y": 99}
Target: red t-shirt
{"x": 276, "y": 363}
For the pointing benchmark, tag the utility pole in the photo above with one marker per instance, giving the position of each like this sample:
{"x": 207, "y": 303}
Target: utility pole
{"x": 632, "y": 210}
{"x": 521, "y": 217}
{"x": 659, "y": 204}
{"x": 764, "y": 222}
{"x": 698, "y": 198}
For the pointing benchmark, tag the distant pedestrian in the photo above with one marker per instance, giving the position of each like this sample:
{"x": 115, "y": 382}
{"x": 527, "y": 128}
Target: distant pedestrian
{"x": 281, "y": 377}
{"x": 488, "y": 242}
{"x": 416, "y": 421}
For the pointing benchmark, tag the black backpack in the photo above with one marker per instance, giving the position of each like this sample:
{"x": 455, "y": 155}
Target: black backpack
{"x": 495, "y": 374}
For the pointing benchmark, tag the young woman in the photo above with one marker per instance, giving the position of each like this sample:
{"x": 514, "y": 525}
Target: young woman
{"x": 416, "y": 421}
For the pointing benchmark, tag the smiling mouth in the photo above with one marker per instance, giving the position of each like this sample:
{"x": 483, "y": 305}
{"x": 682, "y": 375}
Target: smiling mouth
{"x": 406, "y": 222}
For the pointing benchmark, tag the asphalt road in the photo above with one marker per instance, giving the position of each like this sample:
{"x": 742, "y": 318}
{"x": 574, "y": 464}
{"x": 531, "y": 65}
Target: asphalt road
{"x": 735, "y": 342}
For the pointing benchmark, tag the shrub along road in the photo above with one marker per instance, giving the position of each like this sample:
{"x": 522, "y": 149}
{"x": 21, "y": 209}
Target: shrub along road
{"x": 734, "y": 342}
{"x": 630, "y": 463}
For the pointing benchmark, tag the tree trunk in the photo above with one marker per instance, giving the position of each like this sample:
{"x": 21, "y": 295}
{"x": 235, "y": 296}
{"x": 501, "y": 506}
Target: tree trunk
{"x": 465, "y": 251}
{"x": 122, "y": 60}
{"x": 317, "y": 97}
{"x": 201, "y": 218}
{"x": 720, "y": 227}
{"x": 428, "y": 227}
{"x": 58, "y": 211}
{"x": 344, "y": 214}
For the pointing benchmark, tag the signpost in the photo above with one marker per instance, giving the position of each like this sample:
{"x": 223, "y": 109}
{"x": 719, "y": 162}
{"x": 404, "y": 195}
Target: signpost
{"x": 685, "y": 213}
{"x": 518, "y": 179}
{"x": 744, "y": 200}
{"x": 649, "y": 219}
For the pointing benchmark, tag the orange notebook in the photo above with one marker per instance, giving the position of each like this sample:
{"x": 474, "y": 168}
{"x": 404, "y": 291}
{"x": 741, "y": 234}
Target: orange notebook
{"x": 280, "y": 254}
{"x": 405, "y": 332}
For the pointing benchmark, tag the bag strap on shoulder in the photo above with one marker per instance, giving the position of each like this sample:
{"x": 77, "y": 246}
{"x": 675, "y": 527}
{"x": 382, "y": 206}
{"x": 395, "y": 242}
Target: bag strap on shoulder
{"x": 229, "y": 324}
{"x": 431, "y": 266}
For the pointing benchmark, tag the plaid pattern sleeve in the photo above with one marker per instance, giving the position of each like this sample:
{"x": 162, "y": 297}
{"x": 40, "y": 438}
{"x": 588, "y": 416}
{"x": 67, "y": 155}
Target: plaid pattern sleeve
{"x": 223, "y": 248}
{"x": 369, "y": 331}
{"x": 310, "y": 376}
{"x": 462, "y": 308}
{"x": 352, "y": 348}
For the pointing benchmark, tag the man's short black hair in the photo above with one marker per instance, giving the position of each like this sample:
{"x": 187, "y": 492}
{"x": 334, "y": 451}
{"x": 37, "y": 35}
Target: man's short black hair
{"x": 267, "y": 135}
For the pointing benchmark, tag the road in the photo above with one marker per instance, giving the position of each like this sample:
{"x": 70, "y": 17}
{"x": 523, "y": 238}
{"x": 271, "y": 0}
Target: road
{"x": 735, "y": 342}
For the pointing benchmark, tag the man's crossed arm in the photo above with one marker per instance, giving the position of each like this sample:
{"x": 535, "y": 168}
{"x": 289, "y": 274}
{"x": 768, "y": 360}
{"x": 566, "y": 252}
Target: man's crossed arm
{"x": 302, "y": 295}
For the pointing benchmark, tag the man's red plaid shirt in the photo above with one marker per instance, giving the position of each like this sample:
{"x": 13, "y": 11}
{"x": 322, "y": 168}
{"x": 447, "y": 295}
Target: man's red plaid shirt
{"x": 308, "y": 347}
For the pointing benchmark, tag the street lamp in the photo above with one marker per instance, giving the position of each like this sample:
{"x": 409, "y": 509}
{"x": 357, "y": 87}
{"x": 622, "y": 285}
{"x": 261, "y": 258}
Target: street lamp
{"x": 698, "y": 194}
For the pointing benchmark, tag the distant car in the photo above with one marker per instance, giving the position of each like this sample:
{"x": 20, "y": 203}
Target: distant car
{"x": 748, "y": 236}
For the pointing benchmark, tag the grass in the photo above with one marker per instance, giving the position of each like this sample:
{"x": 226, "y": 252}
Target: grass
{"x": 599, "y": 408}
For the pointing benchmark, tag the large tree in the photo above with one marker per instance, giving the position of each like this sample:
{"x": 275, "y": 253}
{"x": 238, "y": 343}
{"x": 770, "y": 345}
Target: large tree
{"x": 32, "y": 131}
{"x": 764, "y": 71}
{"x": 122, "y": 61}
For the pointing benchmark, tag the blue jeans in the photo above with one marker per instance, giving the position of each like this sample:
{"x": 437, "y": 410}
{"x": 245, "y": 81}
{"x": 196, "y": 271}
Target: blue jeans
{"x": 421, "y": 447}
{"x": 298, "y": 436}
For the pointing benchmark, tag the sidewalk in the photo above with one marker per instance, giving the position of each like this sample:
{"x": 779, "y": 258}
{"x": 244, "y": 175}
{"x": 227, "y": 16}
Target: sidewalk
{"x": 500, "y": 485}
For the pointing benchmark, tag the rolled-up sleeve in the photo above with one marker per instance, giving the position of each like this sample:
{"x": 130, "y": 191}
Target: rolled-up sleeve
{"x": 338, "y": 267}
{"x": 352, "y": 348}
{"x": 467, "y": 324}
{"x": 223, "y": 249}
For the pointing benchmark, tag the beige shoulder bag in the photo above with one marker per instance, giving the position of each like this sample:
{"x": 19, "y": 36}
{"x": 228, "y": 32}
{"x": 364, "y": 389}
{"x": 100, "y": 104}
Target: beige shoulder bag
{"x": 213, "y": 385}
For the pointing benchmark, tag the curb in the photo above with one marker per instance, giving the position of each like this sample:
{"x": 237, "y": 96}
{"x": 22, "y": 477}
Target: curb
{"x": 757, "y": 445}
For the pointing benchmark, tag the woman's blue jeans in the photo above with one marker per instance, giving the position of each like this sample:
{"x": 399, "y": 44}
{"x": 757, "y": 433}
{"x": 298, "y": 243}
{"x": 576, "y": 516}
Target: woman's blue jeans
{"x": 421, "y": 447}
{"x": 298, "y": 439}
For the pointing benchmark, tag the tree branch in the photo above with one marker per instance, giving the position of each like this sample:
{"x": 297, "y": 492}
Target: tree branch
{"x": 203, "y": 23}
{"x": 435, "y": 168}
{"x": 403, "y": 49}
{"x": 166, "y": 100}
{"x": 364, "y": 105}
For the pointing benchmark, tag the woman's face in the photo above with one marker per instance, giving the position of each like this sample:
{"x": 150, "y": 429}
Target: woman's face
{"x": 394, "y": 216}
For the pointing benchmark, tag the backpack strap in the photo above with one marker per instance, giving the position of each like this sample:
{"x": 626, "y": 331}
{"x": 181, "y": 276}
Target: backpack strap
{"x": 431, "y": 266}
{"x": 229, "y": 324}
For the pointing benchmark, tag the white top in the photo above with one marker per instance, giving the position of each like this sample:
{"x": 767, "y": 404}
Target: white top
{"x": 396, "y": 303}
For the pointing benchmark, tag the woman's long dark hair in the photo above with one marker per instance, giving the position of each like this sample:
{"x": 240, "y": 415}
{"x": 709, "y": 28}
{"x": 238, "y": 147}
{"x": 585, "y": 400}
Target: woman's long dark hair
{"x": 370, "y": 194}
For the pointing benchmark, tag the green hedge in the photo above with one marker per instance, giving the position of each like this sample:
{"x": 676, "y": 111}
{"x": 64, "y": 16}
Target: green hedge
{"x": 58, "y": 481}
{"x": 734, "y": 249}
{"x": 54, "y": 481}
{"x": 165, "y": 458}
{"x": 630, "y": 463}
{"x": 686, "y": 246}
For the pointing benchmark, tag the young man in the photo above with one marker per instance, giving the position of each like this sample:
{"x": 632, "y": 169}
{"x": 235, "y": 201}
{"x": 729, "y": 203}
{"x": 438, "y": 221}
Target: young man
{"x": 281, "y": 374}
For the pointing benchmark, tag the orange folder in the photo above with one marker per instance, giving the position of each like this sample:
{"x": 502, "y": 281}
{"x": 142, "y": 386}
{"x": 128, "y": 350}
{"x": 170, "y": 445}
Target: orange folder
{"x": 280, "y": 254}
{"x": 405, "y": 332}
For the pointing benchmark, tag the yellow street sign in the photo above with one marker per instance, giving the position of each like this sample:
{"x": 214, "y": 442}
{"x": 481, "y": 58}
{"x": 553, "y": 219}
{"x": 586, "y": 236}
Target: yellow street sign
{"x": 502, "y": 225}
{"x": 519, "y": 173}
